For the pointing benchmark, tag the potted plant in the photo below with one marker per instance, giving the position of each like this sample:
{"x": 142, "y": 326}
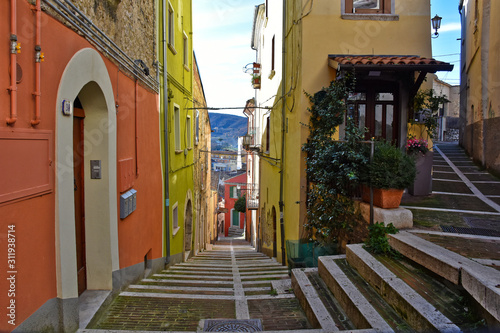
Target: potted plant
{"x": 256, "y": 81}
{"x": 389, "y": 173}
{"x": 419, "y": 150}
{"x": 424, "y": 123}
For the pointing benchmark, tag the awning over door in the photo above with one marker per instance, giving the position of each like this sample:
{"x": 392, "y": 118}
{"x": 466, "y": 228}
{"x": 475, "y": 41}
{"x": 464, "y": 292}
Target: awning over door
{"x": 392, "y": 63}
{"x": 389, "y": 63}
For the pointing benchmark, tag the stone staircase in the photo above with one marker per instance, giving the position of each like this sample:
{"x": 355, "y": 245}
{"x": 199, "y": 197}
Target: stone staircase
{"x": 235, "y": 232}
{"x": 429, "y": 289}
{"x": 220, "y": 287}
{"x": 233, "y": 288}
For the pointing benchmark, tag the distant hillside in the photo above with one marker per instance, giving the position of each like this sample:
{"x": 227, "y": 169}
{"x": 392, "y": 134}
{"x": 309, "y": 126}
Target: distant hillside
{"x": 226, "y": 130}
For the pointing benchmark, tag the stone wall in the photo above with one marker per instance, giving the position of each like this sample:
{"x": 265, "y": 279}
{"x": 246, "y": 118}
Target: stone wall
{"x": 130, "y": 24}
{"x": 480, "y": 140}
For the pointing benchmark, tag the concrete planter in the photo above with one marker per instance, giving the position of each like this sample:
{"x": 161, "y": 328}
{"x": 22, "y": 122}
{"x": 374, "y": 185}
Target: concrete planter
{"x": 423, "y": 181}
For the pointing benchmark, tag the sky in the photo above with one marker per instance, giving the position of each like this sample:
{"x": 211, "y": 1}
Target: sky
{"x": 223, "y": 32}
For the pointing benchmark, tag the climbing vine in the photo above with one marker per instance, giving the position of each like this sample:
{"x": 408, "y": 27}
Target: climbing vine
{"x": 427, "y": 104}
{"x": 333, "y": 166}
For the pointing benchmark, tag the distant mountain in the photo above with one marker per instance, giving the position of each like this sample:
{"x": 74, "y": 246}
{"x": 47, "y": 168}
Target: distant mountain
{"x": 226, "y": 130}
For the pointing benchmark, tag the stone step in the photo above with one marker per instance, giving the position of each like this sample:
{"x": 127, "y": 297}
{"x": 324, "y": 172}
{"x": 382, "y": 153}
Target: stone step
{"x": 451, "y": 300}
{"x": 362, "y": 303}
{"x": 264, "y": 277}
{"x": 481, "y": 282}
{"x": 267, "y": 264}
{"x": 198, "y": 283}
{"x": 315, "y": 310}
{"x": 202, "y": 269}
{"x": 178, "y": 276}
{"x": 177, "y": 289}
{"x": 197, "y": 272}
{"x": 263, "y": 272}
{"x": 420, "y": 314}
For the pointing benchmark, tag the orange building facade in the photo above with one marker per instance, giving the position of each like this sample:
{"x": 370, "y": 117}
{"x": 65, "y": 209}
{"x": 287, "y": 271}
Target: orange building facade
{"x": 80, "y": 170}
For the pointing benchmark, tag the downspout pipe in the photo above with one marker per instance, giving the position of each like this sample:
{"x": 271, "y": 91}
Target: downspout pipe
{"x": 165, "y": 134}
{"x": 283, "y": 113}
{"x": 13, "y": 63}
{"x": 135, "y": 128}
{"x": 38, "y": 60}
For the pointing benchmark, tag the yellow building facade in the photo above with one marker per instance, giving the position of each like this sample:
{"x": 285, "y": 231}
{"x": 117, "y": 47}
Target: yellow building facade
{"x": 175, "y": 50}
{"x": 389, "y": 48}
{"x": 480, "y": 82}
{"x": 204, "y": 201}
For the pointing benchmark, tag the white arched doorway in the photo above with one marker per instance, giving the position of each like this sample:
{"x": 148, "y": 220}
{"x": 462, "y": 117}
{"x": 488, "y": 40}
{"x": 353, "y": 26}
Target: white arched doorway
{"x": 86, "y": 78}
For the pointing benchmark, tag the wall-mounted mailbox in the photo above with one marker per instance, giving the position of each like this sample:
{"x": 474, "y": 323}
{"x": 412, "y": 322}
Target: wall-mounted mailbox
{"x": 128, "y": 203}
{"x": 95, "y": 169}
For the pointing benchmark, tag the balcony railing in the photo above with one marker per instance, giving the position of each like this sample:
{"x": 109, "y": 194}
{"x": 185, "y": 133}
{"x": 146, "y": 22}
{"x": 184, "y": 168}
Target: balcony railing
{"x": 249, "y": 140}
{"x": 252, "y": 197}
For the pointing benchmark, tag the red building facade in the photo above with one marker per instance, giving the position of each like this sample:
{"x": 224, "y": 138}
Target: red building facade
{"x": 234, "y": 188}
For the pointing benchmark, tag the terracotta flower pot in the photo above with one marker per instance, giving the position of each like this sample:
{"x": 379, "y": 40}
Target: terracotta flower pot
{"x": 383, "y": 198}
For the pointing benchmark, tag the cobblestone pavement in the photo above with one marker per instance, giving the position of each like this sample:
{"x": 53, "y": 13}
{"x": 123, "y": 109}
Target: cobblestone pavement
{"x": 232, "y": 281}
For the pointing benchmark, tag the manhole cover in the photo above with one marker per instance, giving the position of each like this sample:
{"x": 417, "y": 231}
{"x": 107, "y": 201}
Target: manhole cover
{"x": 476, "y": 222}
{"x": 232, "y": 325}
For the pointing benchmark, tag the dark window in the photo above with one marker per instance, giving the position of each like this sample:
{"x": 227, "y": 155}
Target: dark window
{"x": 368, "y": 6}
{"x": 268, "y": 133}
{"x": 272, "y": 54}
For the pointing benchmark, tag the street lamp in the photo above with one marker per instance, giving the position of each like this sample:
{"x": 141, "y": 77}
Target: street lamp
{"x": 436, "y": 24}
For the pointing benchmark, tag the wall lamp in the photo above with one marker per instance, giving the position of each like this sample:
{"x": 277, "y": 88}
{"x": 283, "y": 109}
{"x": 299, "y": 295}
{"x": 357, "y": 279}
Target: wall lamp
{"x": 436, "y": 24}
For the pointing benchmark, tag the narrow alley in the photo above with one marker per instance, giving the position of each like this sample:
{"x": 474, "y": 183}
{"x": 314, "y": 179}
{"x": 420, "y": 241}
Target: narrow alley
{"x": 208, "y": 293}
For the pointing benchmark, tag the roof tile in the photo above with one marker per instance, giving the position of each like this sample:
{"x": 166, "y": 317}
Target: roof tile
{"x": 386, "y": 60}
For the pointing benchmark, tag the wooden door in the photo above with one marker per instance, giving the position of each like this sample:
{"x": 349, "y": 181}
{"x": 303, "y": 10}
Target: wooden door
{"x": 375, "y": 108}
{"x": 78, "y": 165}
{"x": 236, "y": 218}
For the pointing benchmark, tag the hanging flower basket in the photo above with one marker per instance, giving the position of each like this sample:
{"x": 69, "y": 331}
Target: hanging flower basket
{"x": 256, "y": 81}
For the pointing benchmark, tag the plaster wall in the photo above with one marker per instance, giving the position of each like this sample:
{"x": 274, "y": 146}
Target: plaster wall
{"x": 480, "y": 106}
{"x": 178, "y": 93}
{"x": 316, "y": 30}
{"x": 44, "y": 223}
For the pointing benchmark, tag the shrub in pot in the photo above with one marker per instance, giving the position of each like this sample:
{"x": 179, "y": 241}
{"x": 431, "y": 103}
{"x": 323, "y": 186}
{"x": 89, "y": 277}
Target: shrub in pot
{"x": 390, "y": 172}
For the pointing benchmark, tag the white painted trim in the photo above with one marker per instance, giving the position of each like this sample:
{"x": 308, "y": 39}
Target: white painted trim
{"x": 175, "y": 228}
{"x": 85, "y": 67}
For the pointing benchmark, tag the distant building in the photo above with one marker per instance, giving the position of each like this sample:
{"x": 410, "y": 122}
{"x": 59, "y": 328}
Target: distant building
{"x": 449, "y": 113}
{"x": 235, "y": 188}
{"x": 205, "y": 199}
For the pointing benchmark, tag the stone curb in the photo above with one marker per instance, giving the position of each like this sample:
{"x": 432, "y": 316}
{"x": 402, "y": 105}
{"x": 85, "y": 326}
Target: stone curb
{"x": 480, "y": 281}
{"x": 314, "y": 308}
{"x": 419, "y": 313}
{"x": 357, "y": 307}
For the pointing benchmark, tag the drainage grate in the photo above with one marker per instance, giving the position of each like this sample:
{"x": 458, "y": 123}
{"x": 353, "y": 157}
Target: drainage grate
{"x": 232, "y": 325}
{"x": 476, "y": 222}
{"x": 470, "y": 231}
